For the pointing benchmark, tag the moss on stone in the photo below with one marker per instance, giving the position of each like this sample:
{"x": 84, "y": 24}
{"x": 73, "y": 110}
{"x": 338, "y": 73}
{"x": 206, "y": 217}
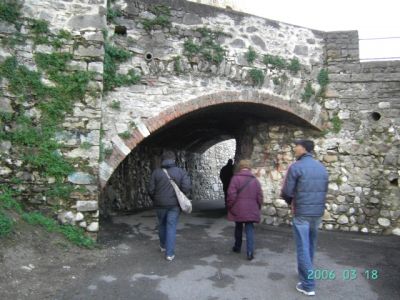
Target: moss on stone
{"x": 114, "y": 55}
{"x": 177, "y": 65}
{"x": 308, "y": 92}
{"x": 207, "y": 47}
{"x": 162, "y": 19}
{"x": 336, "y": 124}
{"x": 257, "y": 76}
{"x": 125, "y": 135}
{"x": 10, "y": 11}
{"x": 251, "y": 55}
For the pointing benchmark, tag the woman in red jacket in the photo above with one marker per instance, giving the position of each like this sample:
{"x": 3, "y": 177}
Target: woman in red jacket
{"x": 244, "y": 205}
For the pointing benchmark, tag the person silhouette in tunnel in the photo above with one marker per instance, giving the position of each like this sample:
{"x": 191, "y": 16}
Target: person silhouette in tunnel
{"x": 166, "y": 202}
{"x": 225, "y": 175}
{"x": 244, "y": 201}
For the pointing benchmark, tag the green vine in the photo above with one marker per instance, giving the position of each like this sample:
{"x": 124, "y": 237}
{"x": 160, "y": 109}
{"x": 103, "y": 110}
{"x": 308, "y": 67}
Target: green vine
{"x": 162, "y": 18}
{"x": 10, "y": 12}
{"x": 294, "y": 65}
{"x": 114, "y": 55}
{"x": 323, "y": 81}
{"x": 115, "y": 105}
{"x": 323, "y": 78}
{"x": 40, "y": 31}
{"x": 112, "y": 14}
{"x": 257, "y": 76}
{"x": 125, "y": 135}
{"x": 34, "y": 138}
{"x": 308, "y": 92}
{"x": 279, "y": 63}
{"x": 208, "y": 48}
{"x": 37, "y": 145}
{"x": 274, "y": 61}
{"x": 251, "y": 55}
{"x": 336, "y": 124}
{"x": 177, "y": 65}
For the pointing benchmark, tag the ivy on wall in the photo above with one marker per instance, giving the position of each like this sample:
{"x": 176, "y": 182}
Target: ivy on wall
{"x": 33, "y": 138}
{"x": 207, "y": 48}
{"x": 257, "y": 76}
{"x": 162, "y": 15}
{"x": 251, "y": 55}
{"x": 323, "y": 81}
{"x": 112, "y": 57}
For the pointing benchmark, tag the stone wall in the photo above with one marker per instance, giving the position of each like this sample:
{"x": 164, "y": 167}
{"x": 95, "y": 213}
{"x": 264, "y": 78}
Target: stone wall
{"x": 364, "y": 158}
{"x": 362, "y": 154}
{"x": 165, "y": 63}
{"x": 126, "y": 190}
{"x": 165, "y": 85}
{"x": 54, "y": 30}
{"x": 204, "y": 171}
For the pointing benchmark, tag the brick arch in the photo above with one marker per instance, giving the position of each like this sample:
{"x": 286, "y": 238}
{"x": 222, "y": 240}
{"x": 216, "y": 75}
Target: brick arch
{"x": 121, "y": 148}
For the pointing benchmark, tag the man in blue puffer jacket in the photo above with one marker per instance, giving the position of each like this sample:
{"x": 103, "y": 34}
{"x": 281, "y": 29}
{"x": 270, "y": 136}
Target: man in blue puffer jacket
{"x": 305, "y": 189}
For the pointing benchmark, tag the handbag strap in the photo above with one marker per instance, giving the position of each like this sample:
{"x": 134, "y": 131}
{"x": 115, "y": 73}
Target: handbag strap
{"x": 244, "y": 186}
{"x": 169, "y": 177}
{"x": 166, "y": 172}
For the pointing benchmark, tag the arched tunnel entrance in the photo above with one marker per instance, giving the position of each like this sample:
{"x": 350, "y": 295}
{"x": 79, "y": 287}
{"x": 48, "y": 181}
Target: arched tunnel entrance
{"x": 203, "y": 141}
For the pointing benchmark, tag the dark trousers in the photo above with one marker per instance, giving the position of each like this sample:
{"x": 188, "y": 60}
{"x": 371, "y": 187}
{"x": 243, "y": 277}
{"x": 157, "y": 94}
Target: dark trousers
{"x": 249, "y": 228}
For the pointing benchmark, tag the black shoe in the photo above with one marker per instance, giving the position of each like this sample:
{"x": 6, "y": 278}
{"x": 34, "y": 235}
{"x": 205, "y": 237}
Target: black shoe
{"x": 250, "y": 256}
{"x": 236, "y": 250}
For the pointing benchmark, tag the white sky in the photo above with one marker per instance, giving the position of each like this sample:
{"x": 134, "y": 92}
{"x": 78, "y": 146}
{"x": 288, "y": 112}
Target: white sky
{"x": 370, "y": 17}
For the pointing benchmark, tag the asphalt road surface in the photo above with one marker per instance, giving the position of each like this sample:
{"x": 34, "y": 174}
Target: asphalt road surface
{"x": 363, "y": 266}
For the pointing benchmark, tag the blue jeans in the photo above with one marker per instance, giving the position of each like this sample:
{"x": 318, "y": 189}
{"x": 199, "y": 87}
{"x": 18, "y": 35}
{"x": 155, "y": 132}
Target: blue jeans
{"x": 249, "y": 227}
{"x": 167, "y": 222}
{"x": 305, "y": 233}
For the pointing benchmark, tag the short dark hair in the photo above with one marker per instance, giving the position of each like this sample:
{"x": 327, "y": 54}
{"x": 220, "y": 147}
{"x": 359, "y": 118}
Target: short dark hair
{"x": 168, "y": 154}
{"x": 307, "y": 144}
{"x": 230, "y": 161}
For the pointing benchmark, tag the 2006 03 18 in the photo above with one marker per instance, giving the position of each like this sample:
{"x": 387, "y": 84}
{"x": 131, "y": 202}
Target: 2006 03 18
{"x": 346, "y": 274}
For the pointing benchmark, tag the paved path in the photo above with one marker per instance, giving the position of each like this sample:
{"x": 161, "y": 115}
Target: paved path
{"x": 205, "y": 268}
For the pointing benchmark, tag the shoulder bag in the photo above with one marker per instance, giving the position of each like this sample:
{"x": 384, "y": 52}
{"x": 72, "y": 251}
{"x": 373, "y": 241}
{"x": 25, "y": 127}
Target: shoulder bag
{"x": 184, "y": 202}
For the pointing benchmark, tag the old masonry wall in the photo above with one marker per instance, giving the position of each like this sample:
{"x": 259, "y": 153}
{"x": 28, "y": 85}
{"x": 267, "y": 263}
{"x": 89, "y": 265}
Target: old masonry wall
{"x": 126, "y": 190}
{"x": 94, "y": 95}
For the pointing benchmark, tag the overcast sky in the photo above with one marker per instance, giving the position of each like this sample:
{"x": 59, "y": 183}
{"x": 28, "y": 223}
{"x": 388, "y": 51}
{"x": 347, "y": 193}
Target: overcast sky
{"x": 371, "y": 18}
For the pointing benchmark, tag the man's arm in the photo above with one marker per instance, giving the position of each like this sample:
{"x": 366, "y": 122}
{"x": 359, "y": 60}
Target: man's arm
{"x": 289, "y": 185}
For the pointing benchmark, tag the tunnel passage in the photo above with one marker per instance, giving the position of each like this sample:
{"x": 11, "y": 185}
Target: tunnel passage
{"x": 190, "y": 136}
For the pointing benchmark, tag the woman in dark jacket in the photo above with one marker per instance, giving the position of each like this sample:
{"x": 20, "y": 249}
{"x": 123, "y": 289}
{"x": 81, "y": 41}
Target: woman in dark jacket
{"x": 244, "y": 205}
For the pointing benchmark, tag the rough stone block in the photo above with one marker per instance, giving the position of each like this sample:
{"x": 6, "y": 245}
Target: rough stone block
{"x": 93, "y": 227}
{"x": 79, "y": 22}
{"x": 191, "y": 19}
{"x": 90, "y": 51}
{"x": 81, "y": 178}
{"x": 90, "y": 205}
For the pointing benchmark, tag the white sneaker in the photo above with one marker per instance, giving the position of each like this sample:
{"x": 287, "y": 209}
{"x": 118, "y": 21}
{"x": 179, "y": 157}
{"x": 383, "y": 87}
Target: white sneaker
{"x": 301, "y": 290}
{"x": 170, "y": 258}
{"x": 162, "y": 249}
